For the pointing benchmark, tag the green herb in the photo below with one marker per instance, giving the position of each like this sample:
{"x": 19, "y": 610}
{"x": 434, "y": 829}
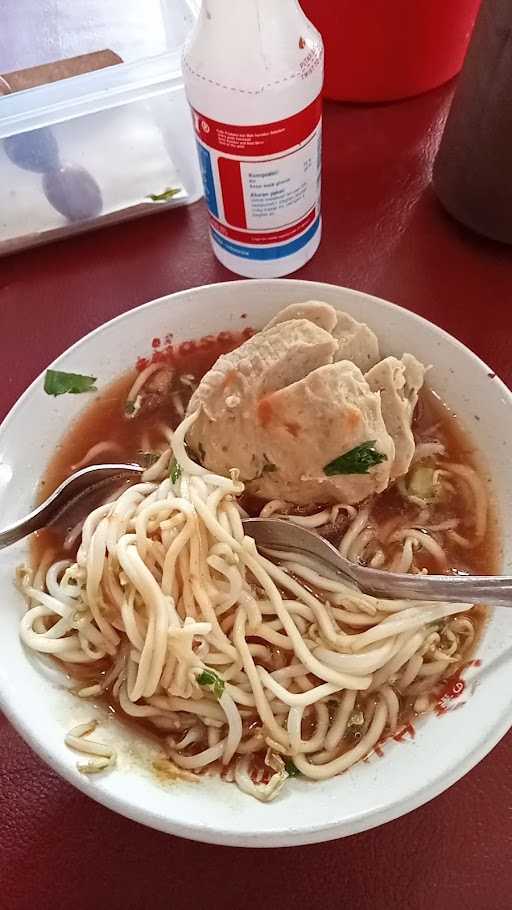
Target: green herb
{"x": 269, "y": 466}
{"x": 129, "y": 407}
{"x": 146, "y": 459}
{"x": 175, "y": 472}
{"x": 167, "y": 194}
{"x": 58, "y": 383}
{"x": 212, "y": 681}
{"x": 357, "y": 461}
{"x": 291, "y": 769}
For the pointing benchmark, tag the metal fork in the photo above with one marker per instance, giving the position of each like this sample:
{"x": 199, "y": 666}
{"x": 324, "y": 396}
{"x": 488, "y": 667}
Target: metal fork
{"x": 80, "y": 485}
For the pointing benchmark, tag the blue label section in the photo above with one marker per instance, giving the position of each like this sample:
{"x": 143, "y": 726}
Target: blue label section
{"x": 266, "y": 252}
{"x": 205, "y": 162}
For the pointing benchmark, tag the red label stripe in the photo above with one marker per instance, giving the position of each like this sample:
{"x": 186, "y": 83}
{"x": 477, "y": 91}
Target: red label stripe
{"x": 262, "y": 139}
{"x": 232, "y": 192}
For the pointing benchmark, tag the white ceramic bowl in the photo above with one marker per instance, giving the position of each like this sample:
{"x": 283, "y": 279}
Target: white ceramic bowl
{"x": 371, "y": 793}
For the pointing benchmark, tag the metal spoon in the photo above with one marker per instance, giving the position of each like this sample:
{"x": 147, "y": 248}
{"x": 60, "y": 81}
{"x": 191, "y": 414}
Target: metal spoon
{"x": 78, "y": 486}
{"x": 279, "y": 534}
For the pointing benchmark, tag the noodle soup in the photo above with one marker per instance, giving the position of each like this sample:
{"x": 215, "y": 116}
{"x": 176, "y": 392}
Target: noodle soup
{"x": 258, "y": 668}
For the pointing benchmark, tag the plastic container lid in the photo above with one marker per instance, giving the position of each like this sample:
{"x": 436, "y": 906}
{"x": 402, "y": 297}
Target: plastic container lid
{"x": 41, "y": 31}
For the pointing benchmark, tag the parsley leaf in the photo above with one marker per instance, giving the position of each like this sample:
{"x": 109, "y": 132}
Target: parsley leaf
{"x": 175, "y": 472}
{"x": 212, "y": 681}
{"x": 356, "y": 461}
{"x": 58, "y": 383}
{"x": 291, "y": 769}
{"x": 167, "y": 194}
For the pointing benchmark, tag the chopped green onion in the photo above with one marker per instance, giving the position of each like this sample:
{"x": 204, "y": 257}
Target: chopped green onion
{"x": 167, "y": 194}
{"x": 175, "y": 472}
{"x": 356, "y": 461}
{"x": 291, "y": 769}
{"x": 58, "y": 383}
{"x": 212, "y": 681}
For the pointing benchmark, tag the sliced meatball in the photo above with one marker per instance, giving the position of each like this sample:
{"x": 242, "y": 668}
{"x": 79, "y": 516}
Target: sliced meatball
{"x": 231, "y": 397}
{"x": 315, "y": 311}
{"x": 312, "y": 422}
{"x": 398, "y": 382}
{"x": 356, "y": 342}
{"x": 293, "y": 411}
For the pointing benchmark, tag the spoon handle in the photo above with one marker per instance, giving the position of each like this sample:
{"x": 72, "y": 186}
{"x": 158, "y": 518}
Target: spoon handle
{"x": 493, "y": 590}
{"x": 275, "y": 534}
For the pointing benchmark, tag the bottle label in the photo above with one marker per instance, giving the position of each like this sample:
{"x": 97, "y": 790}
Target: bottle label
{"x": 262, "y": 183}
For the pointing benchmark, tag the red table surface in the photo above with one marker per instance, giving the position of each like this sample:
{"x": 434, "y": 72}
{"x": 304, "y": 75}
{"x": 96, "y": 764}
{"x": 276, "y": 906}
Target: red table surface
{"x": 383, "y": 233}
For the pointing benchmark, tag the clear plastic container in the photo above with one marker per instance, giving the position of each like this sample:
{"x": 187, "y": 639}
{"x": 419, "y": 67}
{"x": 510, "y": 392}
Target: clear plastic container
{"x": 101, "y": 147}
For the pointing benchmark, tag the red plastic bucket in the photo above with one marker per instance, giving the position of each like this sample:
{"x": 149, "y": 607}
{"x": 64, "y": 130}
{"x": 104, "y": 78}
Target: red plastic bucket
{"x": 380, "y": 50}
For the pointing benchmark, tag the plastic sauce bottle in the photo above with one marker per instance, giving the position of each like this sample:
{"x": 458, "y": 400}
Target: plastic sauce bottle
{"x": 253, "y": 73}
{"x": 473, "y": 169}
